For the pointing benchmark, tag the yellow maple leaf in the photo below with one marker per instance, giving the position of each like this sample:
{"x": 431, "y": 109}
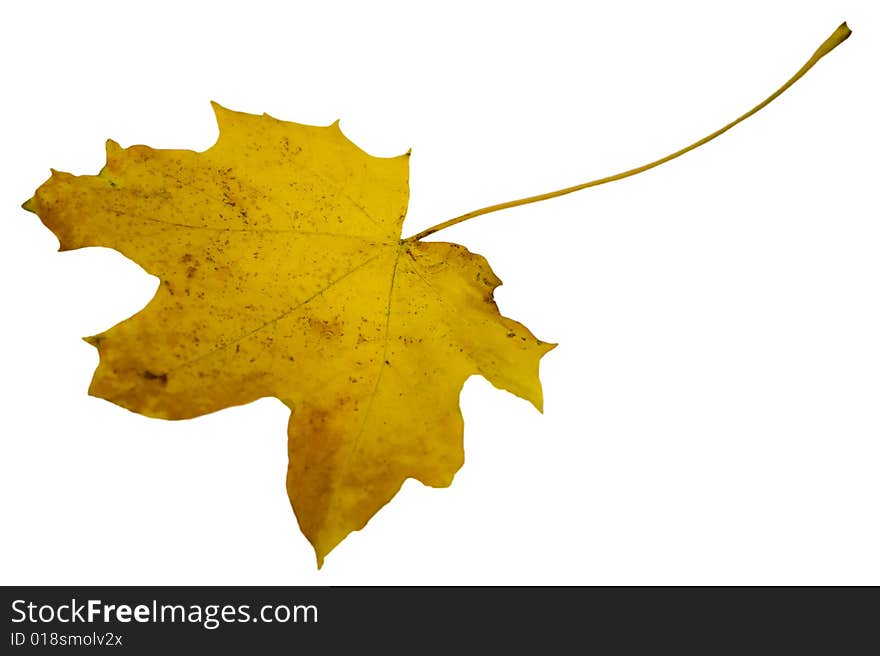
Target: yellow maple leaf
{"x": 283, "y": 273}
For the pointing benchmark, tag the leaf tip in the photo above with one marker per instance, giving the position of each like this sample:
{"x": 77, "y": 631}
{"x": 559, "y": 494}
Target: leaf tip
{"x": 94, "y": 340}
{"x": 29, "y": 205}
{"x": 538, "y": 399}
{"x": 220, "y": 112}
{"x": 539, "y": 403}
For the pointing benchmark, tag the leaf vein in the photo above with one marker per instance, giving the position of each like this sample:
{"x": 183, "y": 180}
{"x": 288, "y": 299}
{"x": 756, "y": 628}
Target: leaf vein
{"x": 382, "y": 361}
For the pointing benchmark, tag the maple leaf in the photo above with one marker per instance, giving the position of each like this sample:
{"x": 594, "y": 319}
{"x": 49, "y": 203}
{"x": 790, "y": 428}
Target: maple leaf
{"x": 283, "y": 273}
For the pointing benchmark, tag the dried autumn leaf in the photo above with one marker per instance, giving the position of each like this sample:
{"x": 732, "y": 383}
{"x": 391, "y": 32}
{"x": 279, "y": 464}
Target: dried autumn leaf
{"x": 283, "y": 273}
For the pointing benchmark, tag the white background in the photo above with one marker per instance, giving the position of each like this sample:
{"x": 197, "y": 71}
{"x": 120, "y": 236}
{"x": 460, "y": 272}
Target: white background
{"x": 713, "y": 409}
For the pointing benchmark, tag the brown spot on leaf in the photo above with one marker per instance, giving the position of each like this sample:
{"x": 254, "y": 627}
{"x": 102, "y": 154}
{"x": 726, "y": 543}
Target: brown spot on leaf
{"x": 162, "y": 378}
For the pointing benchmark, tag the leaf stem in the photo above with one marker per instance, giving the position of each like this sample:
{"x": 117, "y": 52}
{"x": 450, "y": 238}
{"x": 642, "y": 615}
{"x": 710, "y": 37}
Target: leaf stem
{"x": 838, "y": 37}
